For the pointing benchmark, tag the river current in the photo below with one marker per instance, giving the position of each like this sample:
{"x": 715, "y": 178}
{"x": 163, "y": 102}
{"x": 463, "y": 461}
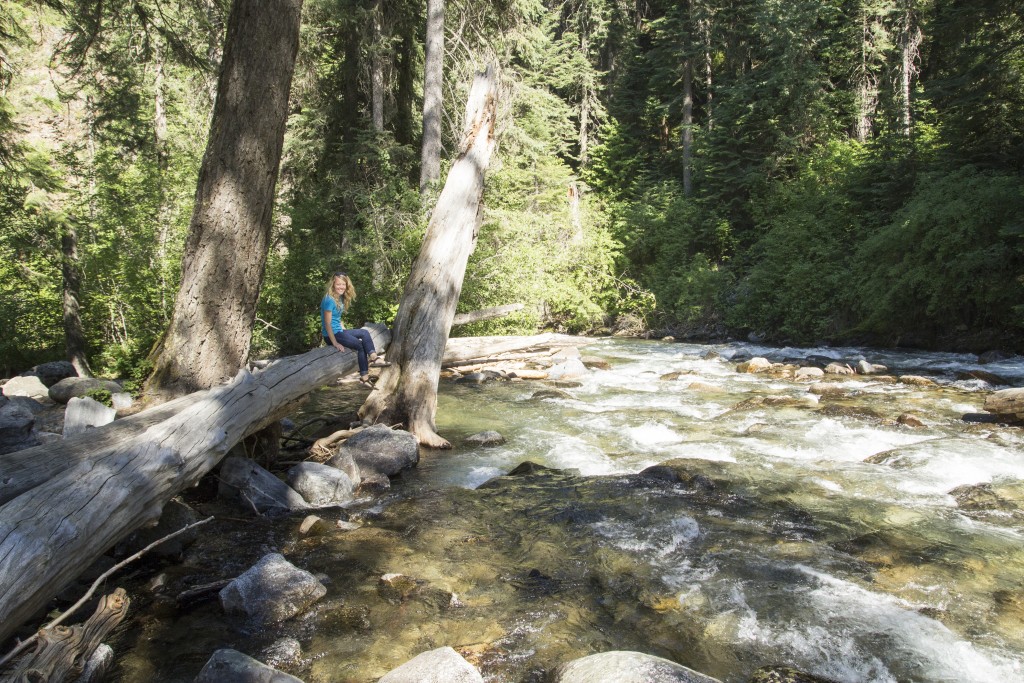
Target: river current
{"x": 676, "y": 507}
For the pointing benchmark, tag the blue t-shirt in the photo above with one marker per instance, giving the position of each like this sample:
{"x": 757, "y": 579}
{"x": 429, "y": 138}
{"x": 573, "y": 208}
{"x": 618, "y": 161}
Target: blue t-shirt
{"x": 329, "y": 304}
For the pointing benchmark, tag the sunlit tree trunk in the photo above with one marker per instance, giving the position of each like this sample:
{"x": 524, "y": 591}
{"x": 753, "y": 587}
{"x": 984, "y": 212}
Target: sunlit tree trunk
{"x": 407, "y": 391}
{"x": 433, "y": 81}
{"x": 585, "y": 96}
{"x": 225, "y": 253}
{"x": 910, "y": 37}
{"x": 74, "y": 336}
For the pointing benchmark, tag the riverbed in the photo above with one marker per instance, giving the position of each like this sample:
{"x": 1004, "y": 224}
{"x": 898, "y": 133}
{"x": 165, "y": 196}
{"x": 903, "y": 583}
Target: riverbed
{"x": 673, "y": 506}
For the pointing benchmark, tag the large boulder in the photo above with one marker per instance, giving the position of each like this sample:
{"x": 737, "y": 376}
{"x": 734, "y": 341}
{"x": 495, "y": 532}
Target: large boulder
{"x": 28, "y": 385}
{"x": 252, "y": 486}
{"x": 84, "y": 413}
{"x": 16, "y": 424}
{"x": 572, "y": 368}
{"x": 322, "y": 485}
{"x": 52, "y": 372}
{"x": 754, "y": 365}
{"x": 231, "y": 666}
{"x": 627, "y": 667}
{"x": 443, "y": 665}
{"x": 378, "y": 453}
{"x": 271, "y": 591}
{"x": 73, "y": 387}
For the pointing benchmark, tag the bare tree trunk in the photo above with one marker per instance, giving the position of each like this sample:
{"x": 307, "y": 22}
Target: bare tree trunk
{"x": 688, "y": 128}
{"x": 584, "y": 138}
{"x": 407, "y": 391}
{"x": 433, "y": 81}
{"x": 909, "y": 42}
{"x": 226, "y": 250}
{"x": 74, "y": 336}
{"x": 376, "y": 70}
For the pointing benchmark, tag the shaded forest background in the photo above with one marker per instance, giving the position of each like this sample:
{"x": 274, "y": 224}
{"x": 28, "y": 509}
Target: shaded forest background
{"x": 809, "y": 171}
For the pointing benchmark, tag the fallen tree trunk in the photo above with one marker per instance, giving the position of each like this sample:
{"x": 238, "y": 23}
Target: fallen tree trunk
{"x": 50, "y": 533}
{"x": 406, "y": 392}
{"x": 476, "y": 348}
{"x": 486, "y": 314}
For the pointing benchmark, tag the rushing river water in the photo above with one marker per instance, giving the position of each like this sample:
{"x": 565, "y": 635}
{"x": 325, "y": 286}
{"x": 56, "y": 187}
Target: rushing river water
{"x": 781, "y": 529}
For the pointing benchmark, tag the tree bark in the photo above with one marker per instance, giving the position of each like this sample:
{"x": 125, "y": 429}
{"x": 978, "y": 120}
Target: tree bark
{"x": 225, "y": 254}
{"x": 63, "y": 525}
{"x": 688, "y": 128}
{"x": 74, "y": 336}
{"x": 433, "y": 82}
{"x": 376, "y": 69}
{"x": 407, "y": 391}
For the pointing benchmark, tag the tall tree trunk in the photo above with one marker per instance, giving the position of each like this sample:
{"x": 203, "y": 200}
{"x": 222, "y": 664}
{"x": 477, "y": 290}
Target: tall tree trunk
{"x": 407, "y": 391}
{"x": 376, "y": 69}
{"x": 584, "y": 100}
{"x": 74, "y": 336}
{"x": 433, "y": 81}
{"x": 688, "y": 128}
{"x": 909, "y": 44}
{"x": 404, "y": 91}
{"x": 226, "y": 249}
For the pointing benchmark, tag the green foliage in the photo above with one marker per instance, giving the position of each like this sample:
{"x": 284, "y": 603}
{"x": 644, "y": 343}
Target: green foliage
{"x": 101, "y": 396}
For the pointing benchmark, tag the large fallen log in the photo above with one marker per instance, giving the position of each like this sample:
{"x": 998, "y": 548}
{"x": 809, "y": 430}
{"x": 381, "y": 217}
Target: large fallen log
{"x": 50, "y": 533}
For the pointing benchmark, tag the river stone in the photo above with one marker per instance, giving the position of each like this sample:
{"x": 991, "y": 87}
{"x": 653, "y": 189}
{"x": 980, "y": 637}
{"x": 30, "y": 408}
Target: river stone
{"x": 52, "y": 372}
{"x": 378, "y": 452}
{"x": 595, "y": 363}
{"x": 572, "y": 368}
{"x": 72, "y": 387}
{"x": 828, "y": 389}
{"x": 866, "y": 368}
{"x": 84, "y": 413}
{"x": 551, "y": 393}
{"x": 488, "y": 438}
{"x": 809, "y": 373}
{"x": 283, "y": 651}
{"x": 785, "y": 674}
{"x": 252, "y": 486}
{"x": 917, "y": 381}
{"x": 96, "y": 667}
{"x": 16, "y": 424}
{"x": 754, "y": 365}
{"x": 322, "y": 485}
{"x": 627, "y": 667}
{"x": 30, "y": 386}
{"x": 443, "y": 665}
{"x": 984, "y": 376}
{"x": 838, "y": 369}
{"x": 271, "y": 591}
{"x": 231, "y": 666}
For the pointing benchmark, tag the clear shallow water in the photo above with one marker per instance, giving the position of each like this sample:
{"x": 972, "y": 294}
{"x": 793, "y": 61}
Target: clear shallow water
{"x": 766, "y": 539}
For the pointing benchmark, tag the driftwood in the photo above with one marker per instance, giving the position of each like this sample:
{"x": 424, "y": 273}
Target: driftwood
{"x": 486, "y": 314}
{"x": 61, "y": 650}
{"x": 407, "y": 390}
{"x": 1008, "y": 403}
{"x": 64, "y": 524}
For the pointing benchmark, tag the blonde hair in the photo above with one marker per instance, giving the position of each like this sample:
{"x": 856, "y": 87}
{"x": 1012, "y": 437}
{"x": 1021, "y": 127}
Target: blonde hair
{"x": 350, "y": 290}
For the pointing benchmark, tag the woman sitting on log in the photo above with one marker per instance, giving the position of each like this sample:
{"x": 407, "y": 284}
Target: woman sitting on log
{"x": 338, "y": 296}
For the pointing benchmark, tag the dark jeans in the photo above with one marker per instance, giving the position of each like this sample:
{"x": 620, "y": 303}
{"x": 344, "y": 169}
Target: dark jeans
{"x": 358, "y": 340}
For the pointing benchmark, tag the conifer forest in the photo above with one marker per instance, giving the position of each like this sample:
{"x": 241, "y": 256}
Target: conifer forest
{"x": 807, "y": 172}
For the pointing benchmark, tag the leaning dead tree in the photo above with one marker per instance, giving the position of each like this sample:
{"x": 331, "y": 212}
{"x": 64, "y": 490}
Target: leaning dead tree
{"x": 407, "y": 391}
{"x": 53, "y": 531}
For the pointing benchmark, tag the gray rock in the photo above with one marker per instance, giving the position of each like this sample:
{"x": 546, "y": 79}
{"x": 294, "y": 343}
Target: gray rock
{"x": 84, "y": 413}
{"x": 379, "y": 451}
{"x": 252, "y": 486}
{"x": 32, "y": 405}
{"x": 443, "y": 665}
{"x": 809, "y": 373}
{"x": 16, "y": 424}
{"x": 570, "y": 369}
{"x": 283, "y": 651}
{"x": 231, "y": 666}
{"x": 121, "y": 400}
{"x": 271, "y": 591}
{"x": 839, "y": 369}
{"x": 322, "y": 484}
{"x": 175, "y": 516}
{"x": 72, "y": 387}
{"x": 52, "y": 372}
{"x": 488, "y": 438}
{"x": 30, "y": 386}
{"x": 627, "y": 667}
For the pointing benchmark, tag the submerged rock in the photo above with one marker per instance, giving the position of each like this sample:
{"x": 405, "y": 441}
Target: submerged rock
{"x": 443, "y": 665}
{"x": 627, "y": 667}
{"x": 271, "y": 591}
{"x": 488, "y": 438}
{"x": 231, "y": 666}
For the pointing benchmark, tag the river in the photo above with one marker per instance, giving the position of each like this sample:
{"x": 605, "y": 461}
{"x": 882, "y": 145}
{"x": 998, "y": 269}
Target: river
{"x": 783, "y": 528}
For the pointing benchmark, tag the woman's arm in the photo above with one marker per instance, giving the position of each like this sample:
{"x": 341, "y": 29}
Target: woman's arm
{"x": 327, "y": 326}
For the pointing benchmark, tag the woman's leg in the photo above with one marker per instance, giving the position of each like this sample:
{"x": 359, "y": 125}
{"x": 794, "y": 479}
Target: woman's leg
{"x": 366, "y": 340}
{"x": 350, "y": 340}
